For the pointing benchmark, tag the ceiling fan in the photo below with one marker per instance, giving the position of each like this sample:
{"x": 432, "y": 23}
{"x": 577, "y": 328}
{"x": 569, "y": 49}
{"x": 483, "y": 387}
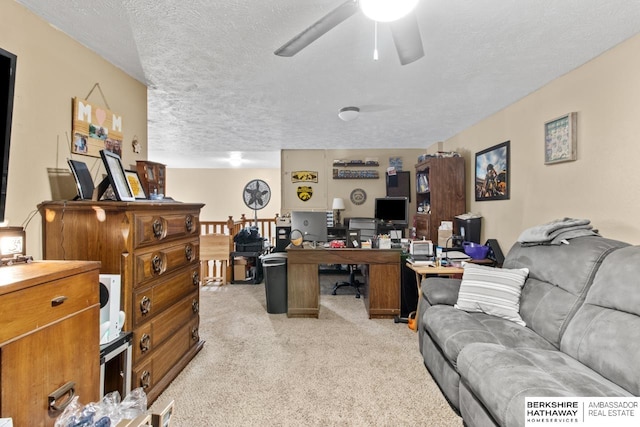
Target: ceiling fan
{"x": 404, "y": 28}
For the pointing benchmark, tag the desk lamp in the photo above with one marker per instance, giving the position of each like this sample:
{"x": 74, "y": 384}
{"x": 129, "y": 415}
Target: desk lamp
{"x": 338, "y": 205}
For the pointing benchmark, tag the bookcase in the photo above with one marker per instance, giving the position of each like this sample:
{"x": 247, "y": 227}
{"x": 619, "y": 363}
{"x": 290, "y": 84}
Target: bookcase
{"x": 440, "y": 194}
{"x": 153, "y": 177}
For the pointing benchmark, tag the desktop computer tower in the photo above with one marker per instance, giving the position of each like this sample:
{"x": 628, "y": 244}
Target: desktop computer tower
{"x": 408, "y": 290}
{"x": 282, "y": 238}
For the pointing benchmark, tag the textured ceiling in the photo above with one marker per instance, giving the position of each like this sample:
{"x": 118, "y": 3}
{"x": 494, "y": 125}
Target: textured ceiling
{"x": 215, "y": 85}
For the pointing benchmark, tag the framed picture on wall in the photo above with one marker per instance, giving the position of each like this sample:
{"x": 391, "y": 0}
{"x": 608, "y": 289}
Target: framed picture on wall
{"x": 560, "y": 139}
{"x": 492, "y": 173}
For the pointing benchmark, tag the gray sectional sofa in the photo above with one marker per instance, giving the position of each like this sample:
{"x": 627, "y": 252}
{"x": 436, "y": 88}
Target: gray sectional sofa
{"x": 581, "y": 306}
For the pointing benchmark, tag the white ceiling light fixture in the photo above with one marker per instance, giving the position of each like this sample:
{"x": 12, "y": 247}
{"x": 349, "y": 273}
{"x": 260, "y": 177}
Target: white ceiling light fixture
{"x": 235, "y": 159}
{"x": 387, "y": 10}
{"x": 348, "y": 113}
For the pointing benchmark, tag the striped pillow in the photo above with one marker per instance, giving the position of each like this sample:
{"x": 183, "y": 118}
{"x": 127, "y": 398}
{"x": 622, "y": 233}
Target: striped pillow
{"x": 494, "y": 291}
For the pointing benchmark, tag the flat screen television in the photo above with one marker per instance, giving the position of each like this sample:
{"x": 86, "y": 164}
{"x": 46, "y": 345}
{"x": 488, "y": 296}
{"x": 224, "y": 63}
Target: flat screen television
{"x": 392, "y": 211}
{"x": 7, "y": 87}
{"x": 312, "y": 225}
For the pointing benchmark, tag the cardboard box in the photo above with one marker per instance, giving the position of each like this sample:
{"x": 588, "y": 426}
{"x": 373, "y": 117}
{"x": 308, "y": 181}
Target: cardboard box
{"x": 443, "y": 236}
{"x": 239, "y": 272}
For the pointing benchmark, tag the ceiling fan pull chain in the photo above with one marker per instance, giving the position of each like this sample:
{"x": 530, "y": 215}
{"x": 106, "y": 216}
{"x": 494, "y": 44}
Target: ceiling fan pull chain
{"x": 375, "y": 40}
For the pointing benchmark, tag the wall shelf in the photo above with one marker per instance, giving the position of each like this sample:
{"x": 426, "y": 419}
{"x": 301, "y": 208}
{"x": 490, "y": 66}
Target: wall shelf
{"x": 356, "y": 163}
{"x": 355, "y": 174}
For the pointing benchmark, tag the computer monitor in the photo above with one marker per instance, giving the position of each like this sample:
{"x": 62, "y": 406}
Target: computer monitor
{"x": 312, "y": 225}
{"x": 392, "y": 211}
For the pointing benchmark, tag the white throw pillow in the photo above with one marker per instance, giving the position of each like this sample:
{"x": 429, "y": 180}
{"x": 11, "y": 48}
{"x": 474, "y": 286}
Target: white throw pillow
{"x": 494, "y": 291}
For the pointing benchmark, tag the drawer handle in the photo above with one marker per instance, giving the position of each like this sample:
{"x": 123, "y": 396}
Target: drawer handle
{"x": 195, "y": 278}
{"x": 158, "y": 228}
{"x": 188, "y": 252}
{"x": 188, "y": 222}
{"x": 145, "y": 305}
{"x": 156, "y": 264}
{"x": 195, "y": 306}
{"x": 195, "y": 335}
{"x": 66, "y": 390}
{"x": 144, "y": 343}
{"x": 145, "y": 379}
{"x": 58, "y": 300}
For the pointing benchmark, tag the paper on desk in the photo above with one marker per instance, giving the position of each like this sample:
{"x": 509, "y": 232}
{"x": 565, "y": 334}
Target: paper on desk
{"x": 427, "y": 263}
{"x": 457, "y": 255}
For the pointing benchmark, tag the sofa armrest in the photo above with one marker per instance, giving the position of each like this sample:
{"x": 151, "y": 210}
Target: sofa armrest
{"x": 440, "y": 290}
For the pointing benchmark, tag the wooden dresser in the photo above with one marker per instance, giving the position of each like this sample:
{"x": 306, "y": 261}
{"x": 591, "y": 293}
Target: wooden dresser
{"x": 49, "y": 339}
{"x": 154, "y": 246}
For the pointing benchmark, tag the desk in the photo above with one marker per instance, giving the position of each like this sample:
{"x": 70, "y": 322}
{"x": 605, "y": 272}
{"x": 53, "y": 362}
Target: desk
{"x": 423, "y": 271}
{"x": 381, "y": 291}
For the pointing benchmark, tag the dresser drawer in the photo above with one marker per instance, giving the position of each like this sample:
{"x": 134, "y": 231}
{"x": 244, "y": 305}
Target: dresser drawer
{"x": 149, "y": 229}
{"x": 33, "y": 308}
{"x": 160, "y": 328}
{"x": 151, "y": 265}
{"x": 165, "y": 357}
{"x": 152, "y": 300}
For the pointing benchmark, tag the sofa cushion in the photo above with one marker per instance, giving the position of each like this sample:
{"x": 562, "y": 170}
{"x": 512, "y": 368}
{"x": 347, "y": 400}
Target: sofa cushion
{"x": 559, "y": 277}
{"x": 501, "y": 378}
{"x": 454, "y": 329}
{"x": 440, "y": 290}
{"x": 605, "y": 332}
{"x": 494, "y": 291}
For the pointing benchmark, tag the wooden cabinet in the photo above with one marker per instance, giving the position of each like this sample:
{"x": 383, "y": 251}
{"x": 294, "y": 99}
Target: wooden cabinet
{"x": 49, "y": 338}
{"x": 155, "y": 247}
{"x": 440, "y": 194}
{"x": 152, "y": 175}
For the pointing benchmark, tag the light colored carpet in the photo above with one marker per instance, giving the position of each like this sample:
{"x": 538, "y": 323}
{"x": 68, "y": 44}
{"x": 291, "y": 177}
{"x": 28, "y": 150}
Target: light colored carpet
{"x": 266, "y": 369}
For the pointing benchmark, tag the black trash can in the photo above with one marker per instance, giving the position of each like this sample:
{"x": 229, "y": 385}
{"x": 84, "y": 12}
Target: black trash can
{"x": 274, "y": 266}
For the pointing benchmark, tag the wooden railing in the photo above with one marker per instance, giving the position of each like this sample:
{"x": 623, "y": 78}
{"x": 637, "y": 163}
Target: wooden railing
{"x": 266, "y": 229}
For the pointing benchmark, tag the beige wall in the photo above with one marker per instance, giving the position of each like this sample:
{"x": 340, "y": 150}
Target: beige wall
{"x": 603, "y": 185}
{"x": 221, "y": 190}
{"x": 327, "y": 188}
{"x": 51, "y": 70}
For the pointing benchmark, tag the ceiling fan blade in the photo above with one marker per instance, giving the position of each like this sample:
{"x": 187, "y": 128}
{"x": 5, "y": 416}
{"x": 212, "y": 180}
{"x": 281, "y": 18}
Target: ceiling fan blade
{"x": 406, "y": 36}
{"x": 324, "y": 24}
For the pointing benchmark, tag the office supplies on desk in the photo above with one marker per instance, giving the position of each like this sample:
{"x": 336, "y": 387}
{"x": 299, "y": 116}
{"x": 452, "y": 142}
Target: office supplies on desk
{"x": 421, "y": 260}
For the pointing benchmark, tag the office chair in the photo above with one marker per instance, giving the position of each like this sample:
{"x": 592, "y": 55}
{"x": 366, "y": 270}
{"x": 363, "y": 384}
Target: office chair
{"x": 353, "y": 282}
{"x": 367, "y": 230}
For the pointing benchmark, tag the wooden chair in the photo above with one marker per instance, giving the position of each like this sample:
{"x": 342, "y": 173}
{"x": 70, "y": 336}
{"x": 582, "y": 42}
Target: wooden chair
{"x": 216, "y": 248}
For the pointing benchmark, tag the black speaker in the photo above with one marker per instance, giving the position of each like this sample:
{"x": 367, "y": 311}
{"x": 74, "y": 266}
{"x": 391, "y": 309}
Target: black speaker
{"x": 495, "y": 253}
{"x": 282, "y": 238}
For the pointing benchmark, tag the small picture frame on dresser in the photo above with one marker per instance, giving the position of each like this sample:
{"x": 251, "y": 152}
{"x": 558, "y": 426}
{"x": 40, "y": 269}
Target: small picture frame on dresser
{"x": 136, "y": 184}
{"x": 163, "y": 418}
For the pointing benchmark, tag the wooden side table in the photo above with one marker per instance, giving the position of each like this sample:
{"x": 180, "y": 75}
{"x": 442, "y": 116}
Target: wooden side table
{"x": 423, "y": 271}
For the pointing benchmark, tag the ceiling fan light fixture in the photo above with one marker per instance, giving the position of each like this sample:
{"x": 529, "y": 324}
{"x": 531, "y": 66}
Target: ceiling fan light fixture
{"x": 387, "y": 10}
{"x": 348, "y": 113}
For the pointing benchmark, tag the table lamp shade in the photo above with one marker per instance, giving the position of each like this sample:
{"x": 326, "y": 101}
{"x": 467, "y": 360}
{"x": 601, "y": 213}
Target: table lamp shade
{"x": 338, "y": 204}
